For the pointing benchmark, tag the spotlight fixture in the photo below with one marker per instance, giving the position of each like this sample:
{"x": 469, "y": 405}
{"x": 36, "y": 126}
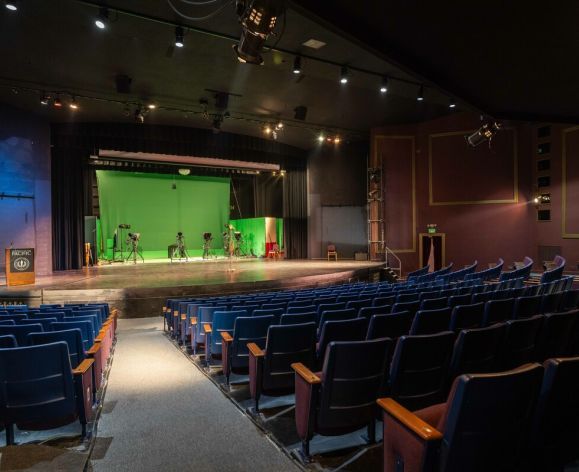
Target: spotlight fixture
{"x": 279, "y": 125}
{"x": 44, "y": 99}
{"x": 184, "y": 171}
{"x": 267, "y": 129}
{"x": 102, "y": 20}
{"x": 179, "y": 34}
{"x": 73, "y": 105}
{"x": 420, "y": 96}
{"x": 485, "y": 133}
{"x": 536, "y": 200}
{"x": 321, "y": 138}
{"x": 258, "y": 19}
{"x": 151, "y": 106}
{"x": 282, "y": 173}
{"x": 57, "y": 103}
{"x": 344, "y": 75}
{"x": 452, "y": 103}
{"x": 297, "y": 65}
{"x": 384, "y": 86}
{"x": 12, "y": 6}
{"x": 337, "y": 140}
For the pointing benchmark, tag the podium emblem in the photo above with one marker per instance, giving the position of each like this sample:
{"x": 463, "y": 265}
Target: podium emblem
{"x": 22, "y": 264}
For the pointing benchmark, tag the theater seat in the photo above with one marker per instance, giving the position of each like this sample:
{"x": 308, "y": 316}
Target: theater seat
{"x": 20, "y": 331}
{"x": 8, "y": 341}
{"x": 341, "y": 398}
{"x": 430, "y": 321}
{"x": 343, "y": 330}
{"x": 223, "y": 322}
{"x": 466, "y": 316}
{"x": 525, "y": 307}
{"x": 41, "y": 391}
{"x": 554, "y": 335}
{"x": 270, "y": 371}
{"x": 497, "y": 311}
{"x": 481, "y": 427}
{"x": 298, "y": 318}
{"x": 520, "y": 342}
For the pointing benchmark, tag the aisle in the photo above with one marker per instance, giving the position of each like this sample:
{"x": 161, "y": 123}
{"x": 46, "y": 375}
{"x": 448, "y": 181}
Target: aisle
{"x": 161, "y": 413}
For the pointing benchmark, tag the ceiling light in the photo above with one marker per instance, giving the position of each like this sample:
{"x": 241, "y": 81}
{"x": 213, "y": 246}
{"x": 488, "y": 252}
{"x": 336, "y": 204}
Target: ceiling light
{"x": 337, "y": 140}
{"x": 102, "y": 20}
{"x": 179, "y": 41}
{"x": 297, "y": 65}
{"x": 328, "y": 139}
{"x": 420, "y": 96}
{"x": 57, "y": 103}
{"x": 258, "y": 19}
{"x": 44, "y": 99}
{"x": 321, "y": 138}
{"x": 151, "y": 106}
{"x": 12, "y": 6}
{"x": 73, "y": 105}
{"x": 279, "y": 125}
{"x": 344, "y": 75}
{"x": 184, "y": 171}
{"x": 384, "y": 86}
{"x": 536, "y": 200}
{"x": 452, "y": 103}
{"x": 267, "y": 129}
{"x": 314, "y": 43}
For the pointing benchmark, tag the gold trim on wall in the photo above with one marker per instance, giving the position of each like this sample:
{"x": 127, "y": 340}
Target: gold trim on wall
{"x": 421, "y": 253}
{"x": 412, "y": 138}
{"x": 564, "y": 233}
{"x": 515, "y": 198}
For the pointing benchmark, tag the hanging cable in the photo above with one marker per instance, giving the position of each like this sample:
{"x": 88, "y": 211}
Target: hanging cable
{"x": 200, "y": 18}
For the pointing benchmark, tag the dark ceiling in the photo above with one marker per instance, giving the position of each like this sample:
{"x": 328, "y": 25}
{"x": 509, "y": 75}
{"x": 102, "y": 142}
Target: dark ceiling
{"x": 55, "y": 46}
{"x": 511, "y": 59}
{"x": 505, "y": 58}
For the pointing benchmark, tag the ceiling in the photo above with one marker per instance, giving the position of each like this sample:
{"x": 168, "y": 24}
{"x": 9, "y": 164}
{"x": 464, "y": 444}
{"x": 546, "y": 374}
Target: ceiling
{"x": 54, "y": 46}
{"x": 512, "y": 59}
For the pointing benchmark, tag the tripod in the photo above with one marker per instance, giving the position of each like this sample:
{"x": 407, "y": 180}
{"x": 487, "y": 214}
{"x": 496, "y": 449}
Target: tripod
{"x": 180, "y": 251}
{"x": 135, "y": 251}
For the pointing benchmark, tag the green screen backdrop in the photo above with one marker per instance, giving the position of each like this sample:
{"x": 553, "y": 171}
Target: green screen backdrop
{"x": 153, "y": 208}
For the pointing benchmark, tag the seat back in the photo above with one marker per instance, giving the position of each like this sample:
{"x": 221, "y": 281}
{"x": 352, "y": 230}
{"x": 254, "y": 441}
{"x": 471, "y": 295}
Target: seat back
{"x": 330, "y": 306}
{"x": 284, "y": 346}
{"x": 368, "y": 312}
{"x": 72, "y": 338}
{"x": 481, "y": 297}
{"x": 8, "y": 340}
{"x": 248, "y": 330}
{"x": 412, "y": 307}
{"x": 392, "y": 325}
{"x": 44, "y": 322}
{"x": 407, "y": 297}
{"x": 497, "y": 311}
{"x": 59, "y": 315}
{"x": 298, "y": 318}
{"x": 430, "y": 321}
{"x": 419, "y": 369}
{"x": 6, "y": 322}
{"x": 14, "y": 317}
{"x": 85, "y": 329}
{"x": 487, "y": 420}
{"x": 336, "y": 315}
{"x": 555, "y": 333}
{"x": 550, "y": 302}
{"x": 467, "y": 316}
{"x": 554, "y": 433}
{"x": 570, "y": 300}
{"x": 476, "y": 350}
{"x": 359, "y": 304}
{"x": 296, "y": 310}
{"x": 433, "y": 303}
{"x": 223, "y": 322}
{"x": 20, "y": 331}
{"x": 525, "y": 307}
{"x": 520, "y": 342}
{"x": 342, "y": 330}
{"x": 36, "y": 384}
{"x": 353, "y": 373}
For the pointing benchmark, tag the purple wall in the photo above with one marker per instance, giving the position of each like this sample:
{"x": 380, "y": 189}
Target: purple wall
{"x": 25, "y": 171}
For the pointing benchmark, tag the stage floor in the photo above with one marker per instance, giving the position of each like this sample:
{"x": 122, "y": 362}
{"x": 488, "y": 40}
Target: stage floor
{"x": 145, "y": 286}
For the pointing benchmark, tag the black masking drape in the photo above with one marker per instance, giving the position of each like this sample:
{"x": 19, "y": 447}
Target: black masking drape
{"x": 295, "y": 214}
{"x": 69, "y": 182}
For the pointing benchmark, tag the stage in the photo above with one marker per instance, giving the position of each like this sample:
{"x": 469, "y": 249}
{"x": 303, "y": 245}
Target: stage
{"x": 140, "y": 289}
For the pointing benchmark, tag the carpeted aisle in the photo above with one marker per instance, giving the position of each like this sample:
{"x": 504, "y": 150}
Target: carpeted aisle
{"x": 161, "y": 413}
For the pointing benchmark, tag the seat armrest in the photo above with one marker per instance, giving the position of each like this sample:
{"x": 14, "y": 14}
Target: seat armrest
{"x": 255, "y": 350}
{"x": 183, "y": 316}
{"x": 94, "y": 349}
{"x": 83, "y": 367}
{"x": 193, "y": 320}
{"x": 305, "y": 373}
{"x": 207, "y": 328}
{"x": 409, "y": 420}
{"x": 226, "y": 337}
{"x": 176, "y": 313}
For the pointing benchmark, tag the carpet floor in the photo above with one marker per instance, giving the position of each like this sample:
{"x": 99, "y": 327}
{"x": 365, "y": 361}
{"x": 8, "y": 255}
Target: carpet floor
{"x": 160, "y": 413}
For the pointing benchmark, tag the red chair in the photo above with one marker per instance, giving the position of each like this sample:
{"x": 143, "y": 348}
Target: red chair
{"x": 332, "y": 251}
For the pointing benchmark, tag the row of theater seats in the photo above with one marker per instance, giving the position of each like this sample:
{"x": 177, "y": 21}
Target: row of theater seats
{"x": 52, "y": 361}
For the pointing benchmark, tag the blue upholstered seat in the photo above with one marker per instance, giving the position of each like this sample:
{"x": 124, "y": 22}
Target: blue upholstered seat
{"x": 72, "y": 338}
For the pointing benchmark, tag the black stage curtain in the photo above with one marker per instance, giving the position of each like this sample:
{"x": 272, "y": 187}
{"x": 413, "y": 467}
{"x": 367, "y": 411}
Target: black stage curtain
{"x": 69, "y": 201}
{"x": 295, "y": 214}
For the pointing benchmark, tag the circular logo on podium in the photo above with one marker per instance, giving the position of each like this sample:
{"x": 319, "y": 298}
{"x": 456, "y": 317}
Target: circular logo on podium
{"x": 22, "y": 264}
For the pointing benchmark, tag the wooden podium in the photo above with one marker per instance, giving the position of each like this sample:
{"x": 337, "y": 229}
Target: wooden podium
{"x": 20, "y": 267}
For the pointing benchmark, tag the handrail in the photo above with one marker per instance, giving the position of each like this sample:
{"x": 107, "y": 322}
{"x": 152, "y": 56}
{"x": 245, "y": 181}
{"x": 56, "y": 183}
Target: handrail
{"x": 387, "y": 251}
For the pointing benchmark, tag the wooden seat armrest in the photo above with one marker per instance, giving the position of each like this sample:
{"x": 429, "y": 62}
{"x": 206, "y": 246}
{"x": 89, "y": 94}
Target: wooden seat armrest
{"x": 255, "y": 350}
{"x": 207, "y": 328}
{"x": 100, "y": 336}
{"x": 115, "y": 312}
{"x": 176, "y": 313}
{"x": 227, "y": 338}
{"x": 94, "y": 349}
{"x": 183, "y": 317}
{"x": 193, "y": 320}
{"x": 421, "y": 428}
{"x": 306, "y": 373}
{"x": 83, "y": 367}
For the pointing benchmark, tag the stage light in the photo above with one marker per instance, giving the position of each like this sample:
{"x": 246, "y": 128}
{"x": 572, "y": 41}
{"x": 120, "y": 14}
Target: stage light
{"x": 267, "y": 129}
{"x": 384, "y": 86}
{"x": 184, "y": 171}
{"x": 536, "y": 200}
{"x": 73, "y": 105}
{"x": 12, "y": 6}
{"x": 328, "y": 139}
{"x": 452, "y": 103}
{"x": 337, "y": 140}
{"x": 420, "y": 96}
{"x": 151, "y": 106}
{"x": 321, "y": 138}
{"x": 102, "y": 20}
{"x": 344, "y": 75}
{"x": 179, "y": 37}
{"x": 485, "y": 133}
{"x": 297, "y": 65}
{"x": 44, "y": 99}
{"x": 279, "y": 125}
{"x": 57, "y": 103}
{"x": 258, "y": 19}
{"x": 282, "y": 173}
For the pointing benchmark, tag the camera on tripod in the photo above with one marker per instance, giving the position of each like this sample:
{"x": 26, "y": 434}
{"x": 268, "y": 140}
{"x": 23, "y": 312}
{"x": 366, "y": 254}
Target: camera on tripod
{"x": 134, "y": 237}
